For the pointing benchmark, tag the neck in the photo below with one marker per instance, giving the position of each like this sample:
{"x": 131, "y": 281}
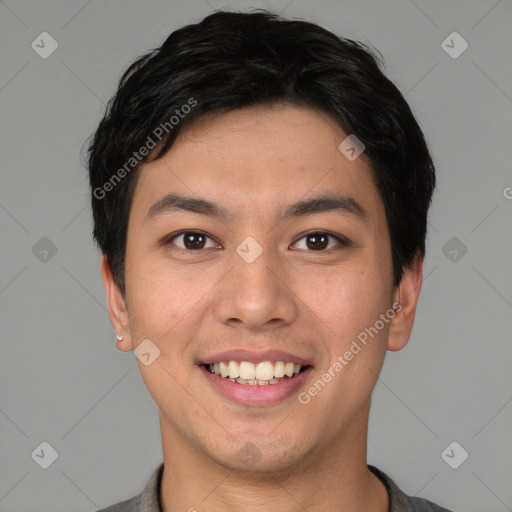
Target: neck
{"x": 331, "y": 476}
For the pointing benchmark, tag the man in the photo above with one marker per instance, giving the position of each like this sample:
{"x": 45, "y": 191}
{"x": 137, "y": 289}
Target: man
{"x": 260, "y": 194}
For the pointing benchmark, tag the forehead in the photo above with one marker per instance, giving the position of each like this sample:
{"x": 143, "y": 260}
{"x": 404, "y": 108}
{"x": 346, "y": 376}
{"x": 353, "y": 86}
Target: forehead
{"x": 259, "y": 158}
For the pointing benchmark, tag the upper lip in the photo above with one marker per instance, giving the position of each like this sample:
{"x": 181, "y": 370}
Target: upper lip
{"x": 254, "y": 357}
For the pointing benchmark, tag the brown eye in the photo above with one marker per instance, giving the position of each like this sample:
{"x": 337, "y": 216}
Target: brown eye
{"x": 191, "y": 240}
{"x": 319, "y": 241}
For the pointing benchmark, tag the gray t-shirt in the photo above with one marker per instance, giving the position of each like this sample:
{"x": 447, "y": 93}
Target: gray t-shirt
{"x": 148, "y": 500}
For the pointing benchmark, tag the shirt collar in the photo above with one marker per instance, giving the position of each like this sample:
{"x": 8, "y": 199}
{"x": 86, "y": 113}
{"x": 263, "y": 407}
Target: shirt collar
{"x": 150, "y": 496}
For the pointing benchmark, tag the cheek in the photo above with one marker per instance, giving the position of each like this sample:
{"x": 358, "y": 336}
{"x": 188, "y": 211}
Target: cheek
{"x": 162, "y": 303}
{"x": 352, "y": 330}
{"x": 348, "y": 299}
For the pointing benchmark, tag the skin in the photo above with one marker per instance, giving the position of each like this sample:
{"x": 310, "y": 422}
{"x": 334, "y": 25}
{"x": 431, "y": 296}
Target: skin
{"x": 314, "y": 303}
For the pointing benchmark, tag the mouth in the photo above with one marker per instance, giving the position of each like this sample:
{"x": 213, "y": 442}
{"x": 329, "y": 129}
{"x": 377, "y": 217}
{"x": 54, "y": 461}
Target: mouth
{"x": 256, "y": 384}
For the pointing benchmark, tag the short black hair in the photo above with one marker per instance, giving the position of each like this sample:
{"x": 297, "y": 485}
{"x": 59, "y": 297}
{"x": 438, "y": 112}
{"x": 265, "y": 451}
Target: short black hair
{"x": 232, "y": 60}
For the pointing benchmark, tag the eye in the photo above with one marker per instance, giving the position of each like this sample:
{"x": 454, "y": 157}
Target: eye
{"x": 191, "y": 240}
{"x": 320, "y": 240}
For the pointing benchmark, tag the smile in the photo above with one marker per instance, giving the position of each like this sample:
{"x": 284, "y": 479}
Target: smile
{"x": 257, "y": 384}
{"x": 261, "y": 374}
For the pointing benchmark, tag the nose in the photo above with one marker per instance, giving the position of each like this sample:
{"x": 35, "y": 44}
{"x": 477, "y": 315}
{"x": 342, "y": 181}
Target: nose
{"x": 256, "y": 295}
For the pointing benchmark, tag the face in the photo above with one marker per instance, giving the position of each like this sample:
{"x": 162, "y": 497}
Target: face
{"x": 251, "y": 273}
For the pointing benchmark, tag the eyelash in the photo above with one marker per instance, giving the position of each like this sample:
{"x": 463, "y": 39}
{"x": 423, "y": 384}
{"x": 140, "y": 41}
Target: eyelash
{"x": 342, "y": 240}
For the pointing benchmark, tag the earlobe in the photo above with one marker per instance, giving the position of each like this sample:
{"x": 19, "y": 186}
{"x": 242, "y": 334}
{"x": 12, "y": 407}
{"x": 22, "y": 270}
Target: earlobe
{"x": 118, "y": 313}
{"x": 406, "y": 298}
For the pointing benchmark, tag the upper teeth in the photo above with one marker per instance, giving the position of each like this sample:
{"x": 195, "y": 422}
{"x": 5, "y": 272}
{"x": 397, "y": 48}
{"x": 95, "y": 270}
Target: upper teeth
{"x": 260, "y": 371}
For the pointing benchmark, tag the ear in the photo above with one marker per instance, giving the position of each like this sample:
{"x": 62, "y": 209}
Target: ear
{"x": 406, "y": 299}
{"x": 117, "y": 308}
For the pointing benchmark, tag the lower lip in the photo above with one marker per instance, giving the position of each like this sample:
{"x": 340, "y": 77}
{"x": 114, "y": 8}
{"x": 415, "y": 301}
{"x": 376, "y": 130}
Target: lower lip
{"x": 246, "y": 394}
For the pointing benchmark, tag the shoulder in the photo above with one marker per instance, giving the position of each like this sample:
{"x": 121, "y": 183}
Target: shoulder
{"x": 401, "y": 502}
{"x": 147, "y": 501}
{"x": 131, "y": 505}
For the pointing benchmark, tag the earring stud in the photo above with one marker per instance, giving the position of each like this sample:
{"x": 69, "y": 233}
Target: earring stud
{"x": 119, "y": 338}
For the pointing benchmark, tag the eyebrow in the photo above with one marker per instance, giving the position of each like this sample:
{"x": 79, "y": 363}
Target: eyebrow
{"x": 325, "y": 203}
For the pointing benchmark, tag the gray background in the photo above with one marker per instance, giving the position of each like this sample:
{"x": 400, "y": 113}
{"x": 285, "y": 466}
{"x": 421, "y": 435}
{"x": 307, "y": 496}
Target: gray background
{"x": 62, "y": 379}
